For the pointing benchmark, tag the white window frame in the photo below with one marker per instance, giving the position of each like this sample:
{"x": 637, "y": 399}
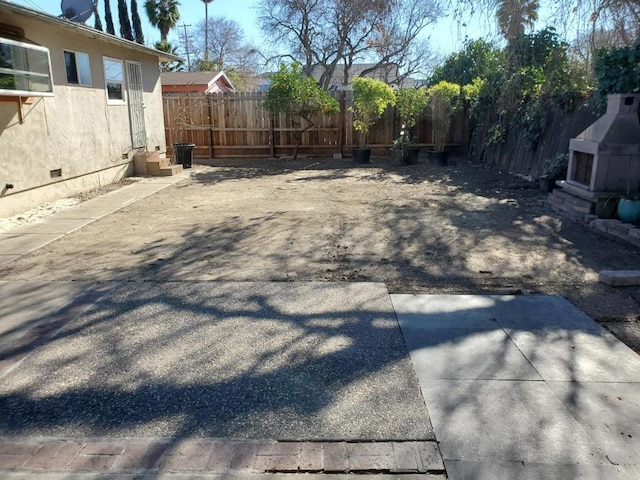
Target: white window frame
{"x": 76, "y": 53}
{"x": 27, "y": 73}
{"x": 115, "y": 101}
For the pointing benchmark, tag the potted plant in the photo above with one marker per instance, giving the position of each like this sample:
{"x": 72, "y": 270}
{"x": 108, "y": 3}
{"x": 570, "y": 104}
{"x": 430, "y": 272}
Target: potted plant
{"x": 629, "y": 209}
{"x": 370, "y": 99}
{"x": 555, "y": 168}
{"x": 443, "y": 101}
{"x": 629, "y": 206}
{"x": 410, "y": 102}
{"x": 182, "y": 151}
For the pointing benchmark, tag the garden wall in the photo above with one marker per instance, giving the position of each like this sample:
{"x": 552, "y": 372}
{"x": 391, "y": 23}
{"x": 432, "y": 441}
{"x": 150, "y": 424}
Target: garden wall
{"x": 515, "y": 155}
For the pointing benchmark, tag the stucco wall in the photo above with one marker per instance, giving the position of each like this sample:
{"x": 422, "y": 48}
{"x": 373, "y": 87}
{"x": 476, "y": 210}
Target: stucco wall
{"x": 76, "y": 130}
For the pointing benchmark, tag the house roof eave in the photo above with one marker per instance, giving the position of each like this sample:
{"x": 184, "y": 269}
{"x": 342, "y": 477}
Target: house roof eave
{"x": 86, "y": 31}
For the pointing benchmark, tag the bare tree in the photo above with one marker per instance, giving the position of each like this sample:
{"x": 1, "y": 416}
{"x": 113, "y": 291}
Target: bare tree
{"x": 227, "y": 50}
{"x": 333, "y": 35}
{"x": 225, "y": 39}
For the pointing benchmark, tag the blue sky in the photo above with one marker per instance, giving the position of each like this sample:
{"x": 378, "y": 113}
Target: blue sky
{"x": 191, "y": 12}
{"x": 446, "y": 37}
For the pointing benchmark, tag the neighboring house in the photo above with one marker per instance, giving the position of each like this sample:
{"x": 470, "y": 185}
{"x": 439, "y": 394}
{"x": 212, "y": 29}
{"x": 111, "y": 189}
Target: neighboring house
{"x": 75, "y": 105}
{"x": 196, "y": 82}
{"x": 261, "y": 82}
{"x": 387, "y": 73}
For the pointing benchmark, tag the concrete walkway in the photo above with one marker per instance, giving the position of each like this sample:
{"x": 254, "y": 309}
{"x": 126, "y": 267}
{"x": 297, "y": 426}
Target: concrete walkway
{"x": 22, "y": 240}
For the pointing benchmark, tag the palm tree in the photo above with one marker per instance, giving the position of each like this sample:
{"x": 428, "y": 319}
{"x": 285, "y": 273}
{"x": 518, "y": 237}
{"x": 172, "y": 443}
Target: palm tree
{"x": 97, "y": 22}
{"x": 514, "y": 15}
{"x": 108, "y": 18}
{"x": 165, "y": 46}
{"x": 206, "y": 29}
{"x": 137, "y": 23}
{"x": 125, "y": 24}
{"x": 163, "y": 14}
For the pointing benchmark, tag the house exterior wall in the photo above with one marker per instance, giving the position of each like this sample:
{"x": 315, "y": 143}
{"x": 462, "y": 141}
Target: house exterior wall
{"x": 76, "y": 130}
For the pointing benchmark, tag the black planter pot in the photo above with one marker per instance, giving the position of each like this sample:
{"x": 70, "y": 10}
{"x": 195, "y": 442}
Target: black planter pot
{"x": 361, "y": 155}
{"x": 546, "y": 184}
{"x": 607, "y": 207}
{"x": 410, "y": 156}
{"x": 439, "y": 158}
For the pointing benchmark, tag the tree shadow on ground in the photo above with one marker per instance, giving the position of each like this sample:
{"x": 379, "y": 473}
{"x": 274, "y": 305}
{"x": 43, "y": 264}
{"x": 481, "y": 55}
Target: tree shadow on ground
{"x": 461, "y": 228}
{"x": 305, "y": 361}
{"x": 274, "y": 361}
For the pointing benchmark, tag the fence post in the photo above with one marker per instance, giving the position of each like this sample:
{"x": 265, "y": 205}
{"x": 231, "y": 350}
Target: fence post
{"x": 211, "y": 136}
{"x": 272, "y": 136}
{"x": 343, "y": 120}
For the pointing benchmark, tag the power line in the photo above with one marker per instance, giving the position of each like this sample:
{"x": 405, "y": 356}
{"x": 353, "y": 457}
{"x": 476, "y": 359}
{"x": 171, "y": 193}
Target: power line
{"x": 35, "y": 6}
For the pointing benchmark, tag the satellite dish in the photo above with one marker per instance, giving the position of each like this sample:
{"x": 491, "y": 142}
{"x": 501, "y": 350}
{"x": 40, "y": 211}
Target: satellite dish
{"x": 77, "y": 10}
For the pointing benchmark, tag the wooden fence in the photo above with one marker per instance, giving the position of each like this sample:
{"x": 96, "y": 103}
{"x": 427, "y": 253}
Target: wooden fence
{"x": 514, "y": 156}
{"x": 238, "y": 125}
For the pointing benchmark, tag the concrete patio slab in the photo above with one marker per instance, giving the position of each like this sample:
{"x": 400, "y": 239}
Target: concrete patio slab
{"x": 574, "y": 355}
{"x": 466, "y": 355}
{"x": 284, "y": 361}
{"x": 610, "y": 413}
{"x": 20, "y": 244}
{"x": 460, "y": 470}
{"x": 503, "y": 428}
{"x": 54, "y": 225}
{"x": 540, "y": 312}
{"x": 515, "y": 421}
{"x": 445, "y": 311}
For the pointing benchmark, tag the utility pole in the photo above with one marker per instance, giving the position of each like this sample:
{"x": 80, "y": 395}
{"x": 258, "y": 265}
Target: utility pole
{"x": 186, "y": 46}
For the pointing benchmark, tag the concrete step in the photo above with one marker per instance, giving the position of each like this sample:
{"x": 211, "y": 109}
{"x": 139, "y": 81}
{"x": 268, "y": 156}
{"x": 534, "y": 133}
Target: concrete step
{"x": 154, "y": 166}
{"x": 148, "y": 163}
{"x": 169, "y": 170}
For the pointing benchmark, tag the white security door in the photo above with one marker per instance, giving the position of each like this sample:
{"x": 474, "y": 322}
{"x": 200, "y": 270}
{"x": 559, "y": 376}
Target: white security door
{"x": 136, "y": 105}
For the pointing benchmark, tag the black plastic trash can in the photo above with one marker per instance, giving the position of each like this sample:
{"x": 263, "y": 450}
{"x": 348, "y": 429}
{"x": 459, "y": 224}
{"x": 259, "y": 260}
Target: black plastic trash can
{"x": 184, "y": 154}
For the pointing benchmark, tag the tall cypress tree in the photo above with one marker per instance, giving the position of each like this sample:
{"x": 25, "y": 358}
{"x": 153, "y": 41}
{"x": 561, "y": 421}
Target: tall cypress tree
{"x": 97, "y": 22}
{"x": 125, "y": 24}
{"x": 137, "y": 23}
{"x": 108, "y": 18}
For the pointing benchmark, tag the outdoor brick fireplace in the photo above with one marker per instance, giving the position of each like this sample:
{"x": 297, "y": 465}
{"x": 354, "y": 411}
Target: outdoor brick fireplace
{"x": 605, "y": 158}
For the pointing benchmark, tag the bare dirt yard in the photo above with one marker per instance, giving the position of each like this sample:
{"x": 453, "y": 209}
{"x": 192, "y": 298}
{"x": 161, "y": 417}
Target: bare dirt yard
{"x": 420, "y": 228}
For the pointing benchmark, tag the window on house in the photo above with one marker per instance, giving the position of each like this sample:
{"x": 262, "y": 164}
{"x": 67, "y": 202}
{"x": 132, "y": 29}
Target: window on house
{"x": 25, "y": 69}
{"x": 78, "y": 68}
{"x": 114, "y": 79}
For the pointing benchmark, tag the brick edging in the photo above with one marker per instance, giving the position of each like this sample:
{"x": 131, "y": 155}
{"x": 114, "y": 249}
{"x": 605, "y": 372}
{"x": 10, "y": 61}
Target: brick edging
{"x": 217, "y": 456}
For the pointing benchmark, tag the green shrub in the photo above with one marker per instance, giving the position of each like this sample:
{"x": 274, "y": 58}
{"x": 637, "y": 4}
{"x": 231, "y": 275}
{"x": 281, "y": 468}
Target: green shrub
{"x": 618, "y": 70}
{"x": 444, "y": 99}
{"x": 370, "y": 99}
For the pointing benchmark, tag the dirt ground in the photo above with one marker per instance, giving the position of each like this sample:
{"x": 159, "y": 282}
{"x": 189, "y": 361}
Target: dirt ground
{"x": 420, "y": 228}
